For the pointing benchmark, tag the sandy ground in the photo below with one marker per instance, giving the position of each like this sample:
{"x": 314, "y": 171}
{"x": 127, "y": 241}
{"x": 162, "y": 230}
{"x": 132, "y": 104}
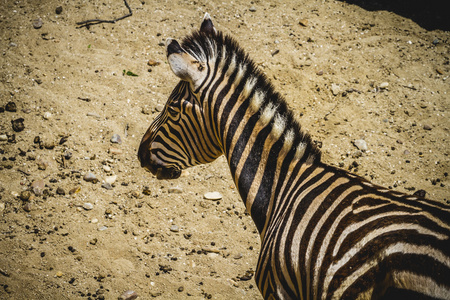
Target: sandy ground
{"x": 347, "y": 72}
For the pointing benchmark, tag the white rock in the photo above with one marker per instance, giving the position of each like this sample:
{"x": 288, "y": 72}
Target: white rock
{"x": 335, "y": 89}
{"x": 361, "y": 145}
{"x": 116, "y": 139}
{"x": 212, "y": 196}
{"x": 383, "y": 85}
{"x": 111, "y": 179}
{"x": 90, "y": 177}
{"x": 128, "y": 295}
{"x": 175, "y": 190}
{"x": 3, "y": 137}
{"x": 92, "y": 114}
{"x": 88, "y": 206}
{"x": 106, "y": 168}
{"x": 47, "y": 115}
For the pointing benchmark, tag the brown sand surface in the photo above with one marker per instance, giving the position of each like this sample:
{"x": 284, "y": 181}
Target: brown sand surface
{"x": 347, "y": 71}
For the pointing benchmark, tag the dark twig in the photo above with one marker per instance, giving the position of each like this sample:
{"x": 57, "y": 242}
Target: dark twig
{"x": 88, "y": 23}
{"x": 23, "y": 172}
{"x": 84, "y": 99}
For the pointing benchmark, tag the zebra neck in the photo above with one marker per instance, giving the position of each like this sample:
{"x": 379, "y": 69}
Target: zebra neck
{"x": 261, "y": 140}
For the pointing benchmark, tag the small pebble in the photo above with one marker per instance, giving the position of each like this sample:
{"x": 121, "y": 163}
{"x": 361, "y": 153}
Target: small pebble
{"x": 159, "y": 107}
{"x": 175, "y": 190}
{"x": 42, "y": 164}
{"x": 88, "y": 206}
{"x": 75, "y": 190}
{"x": 27, "y": 207}
{"x": 114, "y": 150}
{"x": 94, "y": 221}
{"x": 153, "y": 63}
{"x": 115, "y": 139}
{"x": 17, "y": 124}
{"x": 47, "y": 115}
{"x": 111, "y": 179}
{"x": 3, "y": 137}
{"x": 63, "y": 140}
{"x": 303, "y": 22}
{"x": 11, "y": 106}
{"x": 25, "y": 195}
{"x": 37, "y": 23}
{"x": 420, "y": 193}
{"x": 92, "y": 114}
{"x": 89, "y": 177}
{"x": 38, "y": 187}
{"x": 48, "y": 144}
{"x": 107, "y": 186}
{"x": 335, "y": 89}
{"x": 427, "y": 127}
{"x": 60, "y": 191}
{"x": 238, "y": 256}
{"x": 59, "y": 274}
{"x": 361, "y": 145}
{"x": 147, "y": 191}
{"x": 146, "y": 110}
{"x": 67, "y": 154}
{"x": 252, "y": 9}
{"x": 174, "y": 228}
{"x": 58, "y": 10}
{"x": 212, "y": 196}
{"x": 106, "y": 168}
{"x": 383, "y": 85}
{"x": 128, "y": 295}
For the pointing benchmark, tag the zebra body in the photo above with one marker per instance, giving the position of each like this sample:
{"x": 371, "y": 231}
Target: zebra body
{"x": 325, "y": 233}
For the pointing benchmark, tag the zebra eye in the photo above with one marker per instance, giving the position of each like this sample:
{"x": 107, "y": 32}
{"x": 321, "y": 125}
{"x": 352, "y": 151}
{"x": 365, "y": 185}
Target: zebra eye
{"x": 201, "y": 68}
{"x": 172, "y": 111}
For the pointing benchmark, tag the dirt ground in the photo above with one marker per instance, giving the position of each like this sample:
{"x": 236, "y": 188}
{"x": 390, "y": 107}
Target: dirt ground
{"x": 347, "y": 72}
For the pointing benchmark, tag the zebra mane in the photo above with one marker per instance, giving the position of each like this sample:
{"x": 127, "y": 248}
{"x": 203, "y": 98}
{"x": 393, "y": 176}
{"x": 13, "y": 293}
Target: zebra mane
{"x": 228, "y": 56}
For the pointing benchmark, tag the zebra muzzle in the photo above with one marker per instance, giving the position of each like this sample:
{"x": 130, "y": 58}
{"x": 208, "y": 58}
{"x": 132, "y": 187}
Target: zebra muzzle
{"x": 163, "y": 172}
{"x": 167, "y": 173}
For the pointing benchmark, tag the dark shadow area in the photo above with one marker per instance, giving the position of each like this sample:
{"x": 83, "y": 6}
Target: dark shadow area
{"x": 429, "y": 14}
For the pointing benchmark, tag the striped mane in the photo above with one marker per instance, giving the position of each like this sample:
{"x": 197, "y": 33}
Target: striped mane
{"x": 229, "y": 59}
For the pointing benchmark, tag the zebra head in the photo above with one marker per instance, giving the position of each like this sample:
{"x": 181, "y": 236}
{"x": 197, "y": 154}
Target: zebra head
{"x": 181, "y": 136}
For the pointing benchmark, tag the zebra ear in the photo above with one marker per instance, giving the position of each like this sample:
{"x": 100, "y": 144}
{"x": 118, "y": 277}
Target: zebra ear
{"x": 179, "y": 60}
{"x": 207, "y": 25}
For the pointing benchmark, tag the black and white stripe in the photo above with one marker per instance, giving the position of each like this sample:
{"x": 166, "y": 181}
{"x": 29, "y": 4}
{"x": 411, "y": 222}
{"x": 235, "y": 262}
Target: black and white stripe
{"x": 325, "y": 233}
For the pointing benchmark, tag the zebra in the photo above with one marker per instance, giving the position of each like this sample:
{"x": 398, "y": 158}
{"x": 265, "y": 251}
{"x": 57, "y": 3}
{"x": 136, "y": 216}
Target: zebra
{"x": 325, "y": 233}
